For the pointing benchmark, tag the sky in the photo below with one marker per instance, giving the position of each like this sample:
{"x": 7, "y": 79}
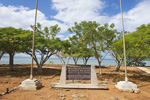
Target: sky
{"x": 20, "y": 13}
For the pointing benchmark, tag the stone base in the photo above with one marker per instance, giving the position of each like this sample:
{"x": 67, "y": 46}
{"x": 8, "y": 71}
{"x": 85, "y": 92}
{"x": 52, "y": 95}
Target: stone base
{"x": 29, "y": 84}
{"x": 79, "y": 86}
{"x": 127, "y": 86}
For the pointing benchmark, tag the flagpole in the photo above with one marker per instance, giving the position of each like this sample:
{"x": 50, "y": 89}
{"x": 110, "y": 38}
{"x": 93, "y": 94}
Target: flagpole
{"x": 33, "y": 47}
{"x": 126, "y": 78}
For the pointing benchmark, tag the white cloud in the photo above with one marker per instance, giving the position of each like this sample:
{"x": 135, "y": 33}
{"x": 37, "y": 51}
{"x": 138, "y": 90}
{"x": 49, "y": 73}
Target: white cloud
{"x": 16, "y": 17}
{"x": 135, "y": 17}
{"x": 70, "y": 35}
{"x": 48, "y": 23}
{"x": 60, "y": 36}
{"x": 70, "y": 11}
{"x": 23, "y": 17}
{"x": 115, "y": 6}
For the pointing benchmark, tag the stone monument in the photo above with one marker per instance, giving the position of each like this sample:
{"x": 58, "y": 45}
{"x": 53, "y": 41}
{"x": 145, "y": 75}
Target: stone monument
{"x": 78, "y": 73}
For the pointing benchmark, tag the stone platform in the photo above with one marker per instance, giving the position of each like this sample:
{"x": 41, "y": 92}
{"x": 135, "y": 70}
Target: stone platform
{"x": 79, "y": 86}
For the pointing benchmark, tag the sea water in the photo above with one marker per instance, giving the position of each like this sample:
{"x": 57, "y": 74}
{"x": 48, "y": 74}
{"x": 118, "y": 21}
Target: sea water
{"x": 27, "y": 60}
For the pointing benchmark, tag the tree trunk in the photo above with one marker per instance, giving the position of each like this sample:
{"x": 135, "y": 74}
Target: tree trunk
{"x": 99, "y": 62}
{"x": 118, "y": 65}
{"x": 39, "y": 69}
{"x": 68, "y": 60}
{"x": 118, "y": 68}
{"x": 100, "y": 69}
{"x": 85, "y": 60}
{"x": 135, "y": 60}
{"x": 75, "y": 60}
{"x": 118, "y": 60}
{"x": 11, "y": 62}
{"x": 61, "y": 60}
{"x": 1, "y": 54}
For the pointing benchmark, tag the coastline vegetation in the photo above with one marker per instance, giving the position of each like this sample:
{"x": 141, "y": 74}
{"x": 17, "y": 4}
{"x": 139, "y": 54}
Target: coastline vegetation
{"x": 90, "y": 40}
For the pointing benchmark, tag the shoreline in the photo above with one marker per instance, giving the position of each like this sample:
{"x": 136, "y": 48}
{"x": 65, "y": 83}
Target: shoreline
{"x": 60, "y": 65}
{"x": 24, "y": 60}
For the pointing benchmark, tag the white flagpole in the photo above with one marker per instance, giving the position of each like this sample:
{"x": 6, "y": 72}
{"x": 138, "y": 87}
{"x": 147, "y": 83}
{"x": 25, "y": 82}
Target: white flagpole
{"x": 33, "y": 47}
{"x": 126, "y": 78}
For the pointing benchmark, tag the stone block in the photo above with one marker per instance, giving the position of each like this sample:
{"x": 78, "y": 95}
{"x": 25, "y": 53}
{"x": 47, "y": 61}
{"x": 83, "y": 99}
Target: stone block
{"x": 29, "y": 84}
{"x": 126, "y": 86}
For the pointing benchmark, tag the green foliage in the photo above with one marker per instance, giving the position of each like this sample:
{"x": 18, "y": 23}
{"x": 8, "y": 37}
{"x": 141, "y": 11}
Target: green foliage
{"x": 138, "y": 46}
{"x": 116, "y": 52}
{"x": 46, "y": 44}
{"x": 12, "y": 41}
{"x": 51, "y": 62}
{"x": 94, "y": 36}
{"x": 117, "y": 48}
{"x": 47, "y": 32}
{"x": 79, "y": 49}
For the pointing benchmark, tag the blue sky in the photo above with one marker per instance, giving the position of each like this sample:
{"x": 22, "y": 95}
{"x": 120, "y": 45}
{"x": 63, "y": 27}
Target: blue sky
{"x": 20, "y": 13}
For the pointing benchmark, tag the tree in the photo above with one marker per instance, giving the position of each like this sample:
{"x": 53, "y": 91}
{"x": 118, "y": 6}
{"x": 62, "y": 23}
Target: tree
{"x": 63, "y": 57}
{"x": 79, "y": 49}
{"x": 2, "y": 52}
{"x": 46, "y": 44}
{"x": 96, "y": 36}
{"x": 73, "y": 50}
{"x": 85, "y": 54}
{"x": 11, "y": 42}
{"x": 116, "y": 52}
{"x": 138, "y": 46}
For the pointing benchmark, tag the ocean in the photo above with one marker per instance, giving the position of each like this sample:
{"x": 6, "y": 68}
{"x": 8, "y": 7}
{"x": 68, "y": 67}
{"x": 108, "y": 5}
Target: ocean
{"x": 27, "y": 60}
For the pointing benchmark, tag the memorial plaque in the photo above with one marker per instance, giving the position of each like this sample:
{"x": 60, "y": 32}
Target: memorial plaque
{"x": 78, "y": 73}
